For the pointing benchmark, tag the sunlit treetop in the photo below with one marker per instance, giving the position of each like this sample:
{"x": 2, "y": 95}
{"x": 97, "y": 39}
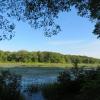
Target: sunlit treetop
{"x": 42, "y": 14}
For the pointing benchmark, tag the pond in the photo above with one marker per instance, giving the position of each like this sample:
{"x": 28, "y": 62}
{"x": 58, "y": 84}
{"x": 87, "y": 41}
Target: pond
{"x": 36, "y": 75}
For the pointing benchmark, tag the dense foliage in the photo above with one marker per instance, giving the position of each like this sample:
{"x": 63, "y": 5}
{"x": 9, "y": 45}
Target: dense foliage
{"x": 10, "y": 86}
{"x": 86, "y": 86}
{"x": 42, "y": 13}
{"x": 44, "y": 57}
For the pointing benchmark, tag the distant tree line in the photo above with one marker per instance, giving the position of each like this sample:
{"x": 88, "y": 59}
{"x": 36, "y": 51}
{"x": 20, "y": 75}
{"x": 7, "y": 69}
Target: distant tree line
{"x": 43, "y": 57}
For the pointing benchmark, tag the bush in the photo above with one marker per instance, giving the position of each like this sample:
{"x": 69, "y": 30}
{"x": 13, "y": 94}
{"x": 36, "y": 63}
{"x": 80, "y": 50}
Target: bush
{"x": 86, "y": 86}
{"x": 10, "y": 86}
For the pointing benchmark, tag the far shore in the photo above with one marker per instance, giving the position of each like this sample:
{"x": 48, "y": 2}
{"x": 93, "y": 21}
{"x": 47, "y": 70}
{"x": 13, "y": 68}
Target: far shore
{"x": 48, "y": 65}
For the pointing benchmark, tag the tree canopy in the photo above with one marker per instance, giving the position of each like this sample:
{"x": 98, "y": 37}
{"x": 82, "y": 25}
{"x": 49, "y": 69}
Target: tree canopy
{"x": 45, "y": 57}
{"x": 42, "y": 14}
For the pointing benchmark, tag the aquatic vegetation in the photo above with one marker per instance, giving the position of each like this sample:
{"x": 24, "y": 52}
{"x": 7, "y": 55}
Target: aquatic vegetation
{"x": 86, "y": 86}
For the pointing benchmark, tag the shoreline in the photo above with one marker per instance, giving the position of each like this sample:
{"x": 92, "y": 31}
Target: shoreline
{"x": 46, "y": 65}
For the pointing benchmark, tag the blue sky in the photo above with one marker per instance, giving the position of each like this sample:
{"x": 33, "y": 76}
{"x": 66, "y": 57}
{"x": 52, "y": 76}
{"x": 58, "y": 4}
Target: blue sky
{"x": 75, "y": 37}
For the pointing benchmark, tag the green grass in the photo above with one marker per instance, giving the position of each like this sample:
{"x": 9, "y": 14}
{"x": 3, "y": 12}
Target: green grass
{"x": 59, "y": 65}
{"x": 34, "y": 65}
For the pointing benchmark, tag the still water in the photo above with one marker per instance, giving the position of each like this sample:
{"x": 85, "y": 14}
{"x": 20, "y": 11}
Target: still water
{"x": 36, "y": 75}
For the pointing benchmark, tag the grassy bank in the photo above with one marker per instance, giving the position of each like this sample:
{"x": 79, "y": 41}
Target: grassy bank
{"x": 59, "y": 65}
{"x": 10, "y": 65}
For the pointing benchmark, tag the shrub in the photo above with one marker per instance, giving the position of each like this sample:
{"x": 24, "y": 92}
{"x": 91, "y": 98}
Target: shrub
{"x": 10, "y": 88}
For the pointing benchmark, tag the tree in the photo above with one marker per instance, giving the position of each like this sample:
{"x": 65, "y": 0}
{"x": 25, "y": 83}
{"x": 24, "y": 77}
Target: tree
{"x": 42, "y": 13}
{"x": 45, "y": 57}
